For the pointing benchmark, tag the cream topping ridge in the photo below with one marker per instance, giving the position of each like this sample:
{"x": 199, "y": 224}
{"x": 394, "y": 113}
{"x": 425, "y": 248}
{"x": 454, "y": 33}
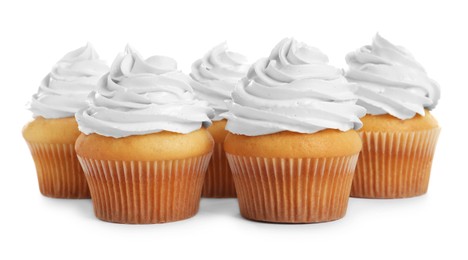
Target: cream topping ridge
{"x": 390, "y": 80}
{"x": 64, "y": 90}
{"x": 294, "y": 89}
{"x": 142, "y": 96}
{"x": 216, "y": 74}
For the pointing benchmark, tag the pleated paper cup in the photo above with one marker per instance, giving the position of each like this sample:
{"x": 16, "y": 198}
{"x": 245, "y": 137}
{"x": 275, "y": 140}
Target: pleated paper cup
{"x": 145, "y": 192}
{"x": 218, "y": 181}
{"x": 288, "y": 190}
{"x": 394, "y": 164}
{"x": 58, "y": 171}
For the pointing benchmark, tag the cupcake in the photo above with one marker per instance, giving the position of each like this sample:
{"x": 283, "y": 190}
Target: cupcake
{"x": 144, "y": 146}
{"x": 399, "y": 134}
{"x": 213, "y": 79}
{"x": 292, "y": 144}
{"x": 52, "y": 134}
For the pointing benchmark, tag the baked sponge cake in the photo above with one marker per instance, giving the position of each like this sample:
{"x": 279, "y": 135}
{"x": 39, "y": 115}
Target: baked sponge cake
{"x": 213, "y": 79}
{"x": 144, "y": 146}
{"x": 164, "y": 145}
{"x": 52, "y": 134}
{"x": 399, "y": 134}
{"x": 292, "y": 143}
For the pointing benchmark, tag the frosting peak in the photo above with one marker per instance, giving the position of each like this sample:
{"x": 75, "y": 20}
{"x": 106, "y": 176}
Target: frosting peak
{"x": 293, "y": 90}
{"x": 215, "y": 75}
{"x": 390, "y": 80}
{"x": 63, "y": 91}
{"x": 141, "y": 96}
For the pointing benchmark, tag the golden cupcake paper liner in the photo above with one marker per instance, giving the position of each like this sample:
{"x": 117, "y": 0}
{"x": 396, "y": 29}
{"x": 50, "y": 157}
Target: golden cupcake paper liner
{"x": 288, "y": 190}
{"x": 58, "y": 171}
{"x": 145, "y": 192}
{"x": 394, "y": 164}
{"x": 218, "y": 179}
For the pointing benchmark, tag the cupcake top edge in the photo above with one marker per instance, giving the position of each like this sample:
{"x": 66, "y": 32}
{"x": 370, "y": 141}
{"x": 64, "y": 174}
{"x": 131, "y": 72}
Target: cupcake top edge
{"x": 390, "y": 80}
{"x": 294, "y": 89}
{"x": 214, "y": 76}
{"x": 63, "y": 91}
{"x": 141, "y": 96}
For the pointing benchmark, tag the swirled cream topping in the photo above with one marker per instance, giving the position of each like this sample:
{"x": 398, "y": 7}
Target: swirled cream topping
{"x": 293, "y": 90}
{"x": 142, "y": 96}
{"x": 390, "y": 80}
{"x": 215, "y": 76}
{"x": 64, "y": 90}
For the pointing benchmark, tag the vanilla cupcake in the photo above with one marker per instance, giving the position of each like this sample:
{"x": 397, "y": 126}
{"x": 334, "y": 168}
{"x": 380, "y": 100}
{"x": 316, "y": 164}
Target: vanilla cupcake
{"x": 52, "y": 134}
{"x": 213, "y": 79}
{"x": 144, "y": 147}
{"x": 399, "y": 134}
{"x": 292, "y": 145}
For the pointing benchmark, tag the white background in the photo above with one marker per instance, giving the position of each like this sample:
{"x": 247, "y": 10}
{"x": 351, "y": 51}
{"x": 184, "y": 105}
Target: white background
{"x": 35, "y": 34}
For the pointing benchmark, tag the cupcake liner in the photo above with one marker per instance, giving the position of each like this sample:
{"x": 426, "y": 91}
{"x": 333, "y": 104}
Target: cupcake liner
{"x": 288, "y": 190}
{"x": 58, "y": 171}
{"x": 218, "y": 180}
{"x": 145, "y": 192}
{"x": 394, "y": 164}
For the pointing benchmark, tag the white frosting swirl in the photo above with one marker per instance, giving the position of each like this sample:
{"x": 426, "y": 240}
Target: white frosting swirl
{"x": 390, "y": 80}
{"x": 293, "y": 90}
{"x": 215, "y": 76}
{"x": 141, "y": 96}
{"x": 64, "y": 90}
